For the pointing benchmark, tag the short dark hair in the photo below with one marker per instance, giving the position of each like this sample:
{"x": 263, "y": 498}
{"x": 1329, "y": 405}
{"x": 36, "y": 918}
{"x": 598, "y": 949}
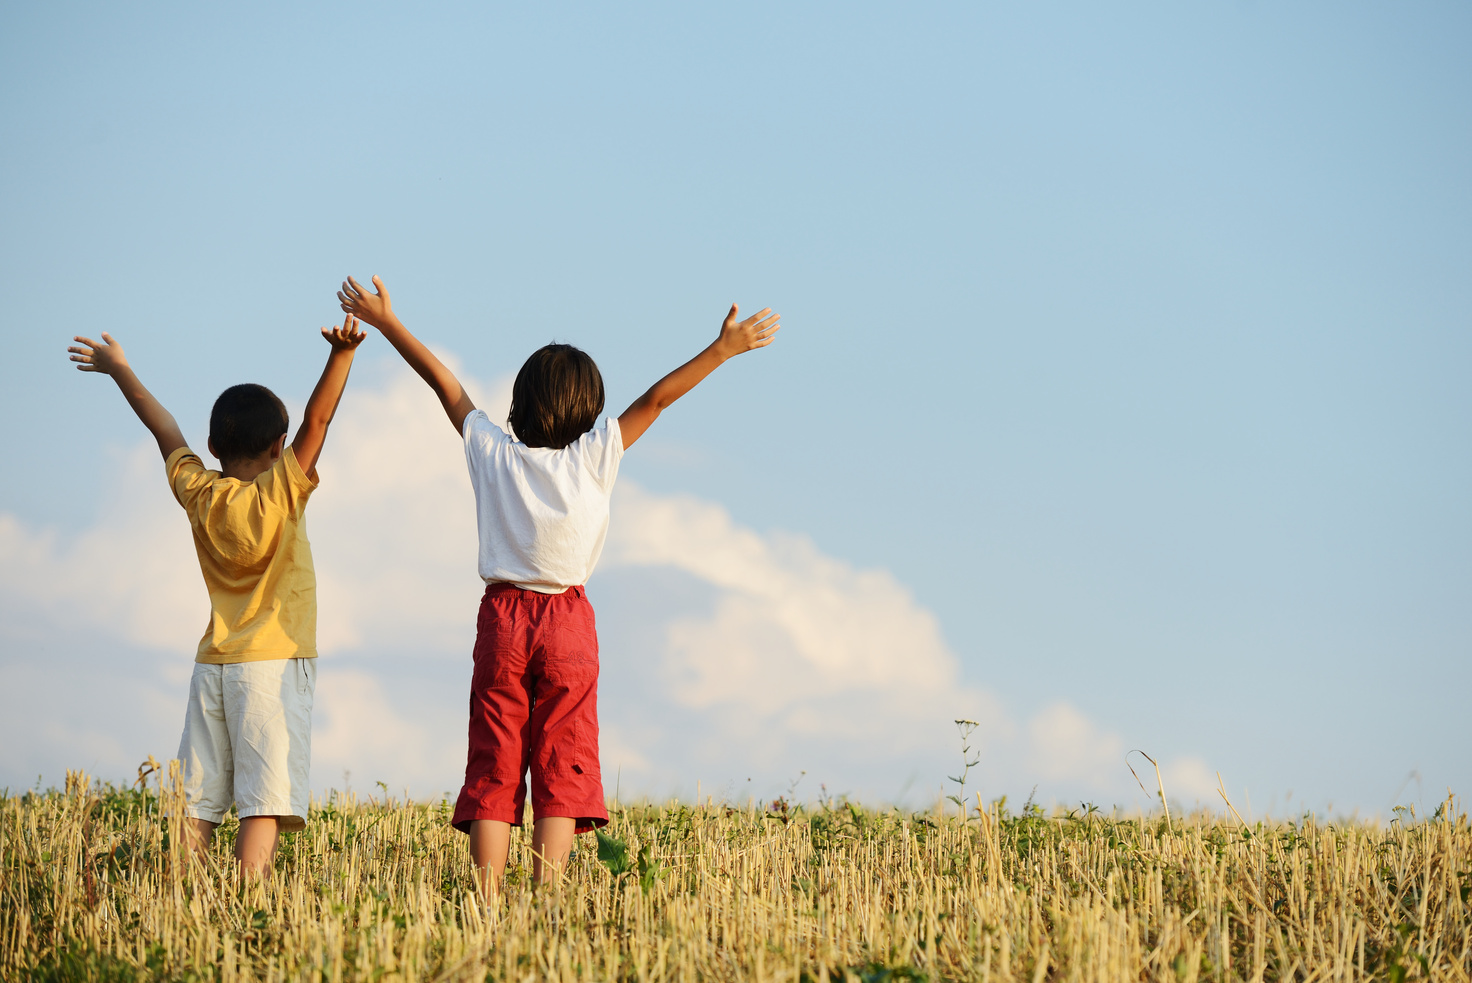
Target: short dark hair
{"x": 246, "y": 421}
{"x": 556, "y": 398}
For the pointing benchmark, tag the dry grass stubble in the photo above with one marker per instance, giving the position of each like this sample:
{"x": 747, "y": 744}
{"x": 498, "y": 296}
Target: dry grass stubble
{"x": 93, "y": 886}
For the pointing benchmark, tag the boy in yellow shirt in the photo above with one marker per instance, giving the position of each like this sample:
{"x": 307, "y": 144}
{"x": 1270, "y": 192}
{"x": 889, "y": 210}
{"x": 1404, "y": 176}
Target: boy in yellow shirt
{"x": 248, "y": 728}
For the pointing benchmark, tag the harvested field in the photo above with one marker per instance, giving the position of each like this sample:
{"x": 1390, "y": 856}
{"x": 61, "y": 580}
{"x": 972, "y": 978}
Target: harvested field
{"x": 95, "y": 888}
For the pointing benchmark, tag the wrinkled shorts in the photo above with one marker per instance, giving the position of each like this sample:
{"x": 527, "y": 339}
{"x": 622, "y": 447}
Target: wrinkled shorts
{"x": 533, "y": 707}
{"x": 248, "y": 740}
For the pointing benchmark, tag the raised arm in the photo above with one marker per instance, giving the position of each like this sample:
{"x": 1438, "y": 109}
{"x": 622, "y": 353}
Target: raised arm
{"x": 322, "y": 406}
{"x": 107, "y": 357}
{"x": 375, "y": 309}
{"x": 736, "y": 337}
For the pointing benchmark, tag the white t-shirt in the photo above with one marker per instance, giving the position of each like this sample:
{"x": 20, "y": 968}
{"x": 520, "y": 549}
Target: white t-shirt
{"x": 542, "y": 513}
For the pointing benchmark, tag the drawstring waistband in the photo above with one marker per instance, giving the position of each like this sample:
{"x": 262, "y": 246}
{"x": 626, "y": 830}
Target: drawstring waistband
{"x": 500, "y": 586}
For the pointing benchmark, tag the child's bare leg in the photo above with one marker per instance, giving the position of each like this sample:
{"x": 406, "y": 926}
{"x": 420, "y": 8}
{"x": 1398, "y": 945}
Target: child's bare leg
{"x": 490, "y": 842}
{"x": 198, "y": 833}
{"x": 255, "y": 845}
{"x": 551, "y": 843}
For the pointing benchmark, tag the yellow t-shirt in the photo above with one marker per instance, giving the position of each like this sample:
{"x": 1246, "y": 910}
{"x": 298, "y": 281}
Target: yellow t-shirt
{"x": 254, "y": 554}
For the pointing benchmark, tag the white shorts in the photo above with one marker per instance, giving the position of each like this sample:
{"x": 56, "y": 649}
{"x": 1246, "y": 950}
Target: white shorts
{"x": 248, "y": 739}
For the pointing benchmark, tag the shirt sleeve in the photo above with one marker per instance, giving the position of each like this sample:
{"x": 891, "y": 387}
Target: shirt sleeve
{"x": 604, "y": 450}
{"x": 481, "y": 436}
{"x": 286, "y": 485}
{"x": 187, "y": 477}
{"x": 479, "y": 426}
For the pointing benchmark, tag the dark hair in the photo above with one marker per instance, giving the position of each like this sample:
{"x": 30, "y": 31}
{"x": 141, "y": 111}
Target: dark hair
{"x": 246, "y": 421}
{"x": 556, "y": 398}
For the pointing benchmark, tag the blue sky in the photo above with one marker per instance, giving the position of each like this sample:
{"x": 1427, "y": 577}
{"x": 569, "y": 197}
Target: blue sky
{"x": 1132, "y": 343}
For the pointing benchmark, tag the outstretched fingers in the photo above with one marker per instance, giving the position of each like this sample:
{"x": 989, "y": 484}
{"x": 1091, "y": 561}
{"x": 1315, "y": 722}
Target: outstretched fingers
{"x": 356, "y": 299}
{"x": 347, "y": 335}
{"x": 763, "y": 327}
{"x": 351, "y": 332}
{"x": 351, "y": 294}
{"x": 356, "y": 290}
{"x": 82, "y": 354}
{"x": 756, "y": 331}
{"x": 759, "y": 315}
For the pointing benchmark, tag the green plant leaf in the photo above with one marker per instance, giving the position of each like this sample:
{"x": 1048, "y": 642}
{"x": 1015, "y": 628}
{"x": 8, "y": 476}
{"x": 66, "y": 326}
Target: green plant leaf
{"x": 613, "y": 854}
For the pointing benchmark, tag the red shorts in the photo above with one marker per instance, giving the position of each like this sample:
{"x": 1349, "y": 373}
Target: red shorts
{"x": 533, "y": 704}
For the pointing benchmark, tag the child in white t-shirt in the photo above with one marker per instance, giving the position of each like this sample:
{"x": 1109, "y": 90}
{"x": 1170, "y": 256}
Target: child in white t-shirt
{"x": 541, "y": 501}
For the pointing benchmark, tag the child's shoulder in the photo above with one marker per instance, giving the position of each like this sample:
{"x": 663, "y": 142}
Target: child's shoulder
{"x": 186, "y": 470}
{"x": 285, "y": 479}
{"x": 477, "y": 421}
{"x": 481, "y": 430}
{"x": 492, "y": 452}
{"x": 283, "y": 487}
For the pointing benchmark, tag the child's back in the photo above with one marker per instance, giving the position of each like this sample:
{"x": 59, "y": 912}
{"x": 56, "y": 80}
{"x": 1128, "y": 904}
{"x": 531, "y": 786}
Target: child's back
{"x": 248, "y": 725}
{"x": 542, "y": 514}
{"x": 251, "y": 539}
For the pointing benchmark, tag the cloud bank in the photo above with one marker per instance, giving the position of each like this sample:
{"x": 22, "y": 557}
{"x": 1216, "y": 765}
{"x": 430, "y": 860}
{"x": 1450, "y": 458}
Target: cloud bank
{"x": 734, "y": 659}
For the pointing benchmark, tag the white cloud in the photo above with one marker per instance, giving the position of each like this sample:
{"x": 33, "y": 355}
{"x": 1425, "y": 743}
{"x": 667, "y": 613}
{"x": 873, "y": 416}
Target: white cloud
{"x": 357, "y": 729}
{"x": 1067, "y": 746}
{"x": 728, "y": 653}
{"x": 132, "y": 571}
{"x": 795, "y": 635}
{"x": 393, "y": 523}
{"x": 1191, "y": 782}
{"x": 103, "y": 721}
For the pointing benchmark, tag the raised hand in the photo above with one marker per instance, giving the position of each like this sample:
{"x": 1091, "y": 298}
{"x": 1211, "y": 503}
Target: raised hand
{"x": 736, "y": 337}
{"x": 374, "y": 308}
{"x": 106, "y": 356}
{"x": 345, "y": 338}
{"x": 322, "y": 405}
{"x": 756, "y": 331}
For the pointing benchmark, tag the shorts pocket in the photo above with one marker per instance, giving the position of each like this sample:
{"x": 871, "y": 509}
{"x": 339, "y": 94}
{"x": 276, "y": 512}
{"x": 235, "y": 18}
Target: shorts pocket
{"x": 571, "y": 648}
